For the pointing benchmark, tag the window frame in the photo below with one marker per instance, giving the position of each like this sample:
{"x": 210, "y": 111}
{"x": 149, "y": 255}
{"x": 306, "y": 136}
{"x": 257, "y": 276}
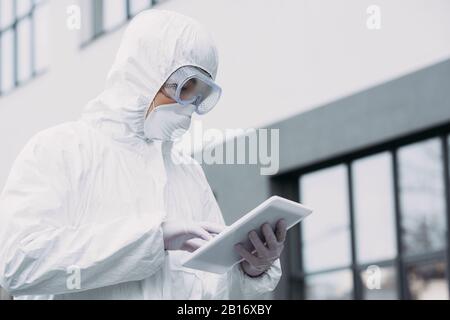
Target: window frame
{"x": 97, "y": 18}
{"x": 13, "y": 27}
{"x": 287, "y": 184}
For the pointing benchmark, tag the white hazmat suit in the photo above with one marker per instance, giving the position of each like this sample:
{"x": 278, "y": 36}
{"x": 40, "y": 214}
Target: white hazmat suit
{"x": 88, "y": 197}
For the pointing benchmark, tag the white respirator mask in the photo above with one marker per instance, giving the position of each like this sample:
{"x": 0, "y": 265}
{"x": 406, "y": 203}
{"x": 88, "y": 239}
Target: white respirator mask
{"x": 194, "y": 91}
{"x": 168, "y": 122}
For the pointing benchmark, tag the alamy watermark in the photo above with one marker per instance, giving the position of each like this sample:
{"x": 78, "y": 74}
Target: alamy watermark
{"x": 374, "y": 17}
{"x": 73, "y": 280}
{"x": 373, "y": 277}
{"x": 73, "y": 21}
{"x": 259, "y": 147}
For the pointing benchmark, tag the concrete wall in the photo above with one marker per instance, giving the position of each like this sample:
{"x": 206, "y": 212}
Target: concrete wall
{"x": 409, "y": 104}
{"x": 375, "y": 116}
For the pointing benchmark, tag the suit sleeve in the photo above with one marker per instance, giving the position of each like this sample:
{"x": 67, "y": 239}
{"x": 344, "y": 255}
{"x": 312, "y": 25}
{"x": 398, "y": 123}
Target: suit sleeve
{"x": 40, "y": 253}
{"x": 236, "y": 280}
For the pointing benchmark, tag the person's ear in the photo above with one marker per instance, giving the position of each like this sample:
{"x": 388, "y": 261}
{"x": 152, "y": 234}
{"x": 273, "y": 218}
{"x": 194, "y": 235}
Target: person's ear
{"x": 150, "y": 108}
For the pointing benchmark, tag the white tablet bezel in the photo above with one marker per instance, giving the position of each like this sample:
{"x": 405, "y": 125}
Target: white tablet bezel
{"x": 210, "y": 257}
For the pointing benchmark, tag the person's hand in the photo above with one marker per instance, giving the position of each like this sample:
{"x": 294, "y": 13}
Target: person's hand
{"x": 255, "y": 264}
{"x": 188, "y": 236}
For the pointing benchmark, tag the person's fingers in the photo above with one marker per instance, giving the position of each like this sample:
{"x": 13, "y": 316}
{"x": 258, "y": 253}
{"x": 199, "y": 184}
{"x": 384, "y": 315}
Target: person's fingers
{"x": 269, "y": 235}
{"x": 198, "y": 232}
{"x": 212, "y": 227}
{"x": 281, "y": 230}
{"x": 257, "y": 243}
{"x": 192, "y": 245}
{"x": 250, "y": 258}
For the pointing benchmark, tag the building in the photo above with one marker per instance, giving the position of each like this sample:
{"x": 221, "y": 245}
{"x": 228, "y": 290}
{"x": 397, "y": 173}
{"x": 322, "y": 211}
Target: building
{"x": 299, "y": 54}
{"x": 375, "y": 168}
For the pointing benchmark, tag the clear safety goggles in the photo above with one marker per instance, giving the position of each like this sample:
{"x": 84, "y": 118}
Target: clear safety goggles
{"x": 190, "y": 85}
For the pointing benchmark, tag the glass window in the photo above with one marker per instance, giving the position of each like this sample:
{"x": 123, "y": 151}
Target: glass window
{"x": 422, "y": 197}
{"x": 23, "y": 47}
{"x": 87, "y": 20}
{"x": 42, "y": 38}
{"x": 326, "y": 234}
{"x": 24, "y": 58}
{"x": 23, "y": 7}
{"x": 379, "y": 283}
{"x": 137, "y": 6}
{"x": 6, "y": 13}
{"x": 7, "y": 61}
{"x": 427, "y": 281}
{"x": 114, "y": 13}
{"x": 101, "y": 16}
{"x": 336, "y": 285}
{"x": 374, "y": 209}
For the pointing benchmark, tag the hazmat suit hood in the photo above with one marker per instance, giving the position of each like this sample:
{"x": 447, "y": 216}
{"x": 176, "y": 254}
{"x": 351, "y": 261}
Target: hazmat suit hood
{"x": 81, "y": 216}
{"x": 155, "y": 44}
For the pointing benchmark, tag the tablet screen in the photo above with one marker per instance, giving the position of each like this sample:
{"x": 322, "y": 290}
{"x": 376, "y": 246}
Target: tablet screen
{"x": 219, "y": 255}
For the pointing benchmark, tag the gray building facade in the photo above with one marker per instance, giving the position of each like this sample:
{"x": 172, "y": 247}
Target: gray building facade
{"x": 375, "y": 167}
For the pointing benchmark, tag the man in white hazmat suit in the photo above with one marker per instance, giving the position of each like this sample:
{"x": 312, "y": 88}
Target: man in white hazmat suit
{"x": 103, "y": 198}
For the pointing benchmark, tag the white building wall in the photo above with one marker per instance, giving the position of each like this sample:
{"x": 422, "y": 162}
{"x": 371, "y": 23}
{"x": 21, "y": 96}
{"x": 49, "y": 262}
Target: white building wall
{"x": 278, "y": 58}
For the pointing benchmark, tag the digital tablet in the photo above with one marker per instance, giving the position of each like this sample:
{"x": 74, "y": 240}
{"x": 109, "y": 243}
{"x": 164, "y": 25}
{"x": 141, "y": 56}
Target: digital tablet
{"x": 219, "y": 255}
